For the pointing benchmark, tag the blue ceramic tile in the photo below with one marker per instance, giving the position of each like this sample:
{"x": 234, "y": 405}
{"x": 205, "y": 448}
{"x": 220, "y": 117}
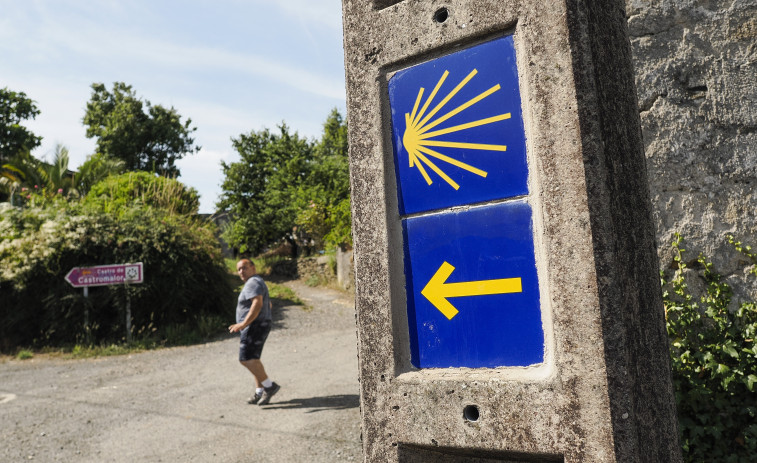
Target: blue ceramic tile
{"x": 482, "y": 307}
{"x": 457, "y": 129}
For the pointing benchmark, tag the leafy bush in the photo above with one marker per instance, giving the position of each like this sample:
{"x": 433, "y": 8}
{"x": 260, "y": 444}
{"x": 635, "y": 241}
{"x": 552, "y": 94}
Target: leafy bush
{"x": 185, "y": 279}
{"x": 119, "y": 193}
{"x": 714, "y": 363}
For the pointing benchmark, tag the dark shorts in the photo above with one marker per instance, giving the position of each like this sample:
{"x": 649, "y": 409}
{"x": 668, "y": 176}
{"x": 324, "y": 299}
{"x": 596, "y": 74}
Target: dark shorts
{"x": 252, "y": 339}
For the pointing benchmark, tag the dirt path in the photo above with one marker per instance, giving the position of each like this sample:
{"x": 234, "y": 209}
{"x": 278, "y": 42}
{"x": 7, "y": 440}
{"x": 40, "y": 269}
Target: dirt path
{"x": 188, "y": 404}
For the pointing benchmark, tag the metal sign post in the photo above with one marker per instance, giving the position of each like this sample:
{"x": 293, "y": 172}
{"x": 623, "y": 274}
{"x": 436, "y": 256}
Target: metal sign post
{"x": 105, "y": 275}
{"x": 128, "y": 313}
{"x": 86, "y": 315}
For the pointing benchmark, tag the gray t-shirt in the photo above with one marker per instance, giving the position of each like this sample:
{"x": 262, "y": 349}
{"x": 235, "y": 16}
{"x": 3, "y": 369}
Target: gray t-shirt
{"x": 253, "y": 287}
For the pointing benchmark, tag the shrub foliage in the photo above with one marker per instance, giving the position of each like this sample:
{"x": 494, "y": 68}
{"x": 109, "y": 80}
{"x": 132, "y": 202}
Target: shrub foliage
{"x": 185, "y": 279}
{"x": 714, "y": 360}
{"x": 119, "y": 192}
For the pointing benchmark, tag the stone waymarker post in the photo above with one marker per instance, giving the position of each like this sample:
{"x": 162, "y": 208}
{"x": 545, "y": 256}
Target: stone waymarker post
{"x": 507, "y": 294}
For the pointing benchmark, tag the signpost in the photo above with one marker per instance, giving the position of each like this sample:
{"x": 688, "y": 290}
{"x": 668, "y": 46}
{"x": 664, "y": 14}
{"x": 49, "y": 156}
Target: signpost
{"x": 105, "y": 275}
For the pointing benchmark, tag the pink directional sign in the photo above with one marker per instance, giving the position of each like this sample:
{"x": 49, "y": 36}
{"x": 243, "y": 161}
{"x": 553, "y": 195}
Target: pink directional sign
{"x": 103, "y": 275}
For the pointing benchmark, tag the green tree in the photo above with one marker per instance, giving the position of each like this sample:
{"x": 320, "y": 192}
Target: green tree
{"x": 34, "y": 176}
{"x": 55, "y": 178}
{"x": 260, "y": 189}
{"x": 12, "y": 175}
{"x": 16, "y": 107}
{"x": 144, "y": 136}
{"x": 285, "y": 183}
{"x": 25, "y": 174}
{"x": 95, "y": 169}
{"x": 324, "y": 199}
{"x": 331, "y": 168}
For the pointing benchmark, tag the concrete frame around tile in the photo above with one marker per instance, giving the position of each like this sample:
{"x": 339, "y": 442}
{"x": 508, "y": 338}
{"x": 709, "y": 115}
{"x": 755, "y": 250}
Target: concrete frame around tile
{"x": 604, "y": 392}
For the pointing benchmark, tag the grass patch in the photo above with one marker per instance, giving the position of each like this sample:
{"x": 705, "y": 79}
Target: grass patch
{"x": 24, "y": 354}
{"x": 82, "y": 351}
{"x": 285, "y": 295}
{"x": 231, "y": 265}
{"x": 202, "y": 329}
{"x": 314, "y": 280}
{"x": 196, "y": 330}
{"x": 278, "y": 291}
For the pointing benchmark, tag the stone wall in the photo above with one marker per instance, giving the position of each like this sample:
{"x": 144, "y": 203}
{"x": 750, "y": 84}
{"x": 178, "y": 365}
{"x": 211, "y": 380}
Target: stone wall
{"x": 320, "y": 268}
{"x": 696, "y": 66}
{"x": 336, "y": 270}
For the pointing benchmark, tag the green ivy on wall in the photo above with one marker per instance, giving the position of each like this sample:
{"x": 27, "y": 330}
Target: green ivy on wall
{"x": 714, "y": 359}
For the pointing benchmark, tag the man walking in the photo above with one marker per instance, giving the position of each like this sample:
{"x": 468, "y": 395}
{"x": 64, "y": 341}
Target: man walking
{"x": 254, "y": 323}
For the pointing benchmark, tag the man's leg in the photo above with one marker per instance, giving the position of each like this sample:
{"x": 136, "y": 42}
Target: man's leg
{"x": 256, "y": 368}
{"x": 249, "y": 356}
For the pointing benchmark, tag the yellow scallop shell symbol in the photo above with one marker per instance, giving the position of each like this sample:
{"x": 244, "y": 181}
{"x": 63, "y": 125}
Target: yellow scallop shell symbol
{"x": 417, "y": 137}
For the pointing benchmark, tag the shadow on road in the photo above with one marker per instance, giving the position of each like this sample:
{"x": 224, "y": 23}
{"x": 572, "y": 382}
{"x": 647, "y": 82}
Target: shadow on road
{"x": 319, "y": 404}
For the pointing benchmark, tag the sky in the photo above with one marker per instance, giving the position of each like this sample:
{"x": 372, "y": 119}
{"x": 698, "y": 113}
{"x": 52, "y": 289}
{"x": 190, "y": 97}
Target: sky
{"x": 231, "y": 66}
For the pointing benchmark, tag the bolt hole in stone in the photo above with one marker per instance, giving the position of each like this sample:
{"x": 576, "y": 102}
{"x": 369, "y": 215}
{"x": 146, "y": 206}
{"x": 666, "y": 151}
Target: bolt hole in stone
{"x": 441, "y": 15}
{"x": 470, "y": 413}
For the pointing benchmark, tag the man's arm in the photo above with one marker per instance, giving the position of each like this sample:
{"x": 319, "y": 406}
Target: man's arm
{"x": 257, "y": 305}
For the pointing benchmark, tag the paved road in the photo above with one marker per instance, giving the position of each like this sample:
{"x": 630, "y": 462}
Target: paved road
{"x": 188, "y": 404}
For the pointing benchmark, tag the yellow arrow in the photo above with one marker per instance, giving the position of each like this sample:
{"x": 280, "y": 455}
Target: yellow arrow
{"x": 437, "y": 290}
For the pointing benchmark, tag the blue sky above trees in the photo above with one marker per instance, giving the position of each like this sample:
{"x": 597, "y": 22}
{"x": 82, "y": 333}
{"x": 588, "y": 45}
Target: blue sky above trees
{"x": 230, "y": 65}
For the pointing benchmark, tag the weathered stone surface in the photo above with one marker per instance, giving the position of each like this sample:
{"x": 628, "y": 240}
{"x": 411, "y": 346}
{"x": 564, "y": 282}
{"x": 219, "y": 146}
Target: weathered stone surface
{"x": 345, "y": 274}
{"x": 604, "y": 392}
{"x": 695, "y": 66}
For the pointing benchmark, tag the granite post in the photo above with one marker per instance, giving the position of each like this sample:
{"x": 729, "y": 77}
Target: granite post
{"x": 529, "y": 194}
